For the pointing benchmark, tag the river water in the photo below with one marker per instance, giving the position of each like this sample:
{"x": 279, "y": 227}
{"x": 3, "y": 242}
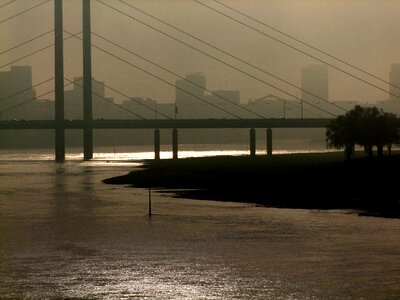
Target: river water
{"x": 64, "y": 234}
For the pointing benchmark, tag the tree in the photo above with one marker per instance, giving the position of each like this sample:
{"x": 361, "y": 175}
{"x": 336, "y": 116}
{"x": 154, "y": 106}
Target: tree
{"x": 387, "y": 132}
{"x": 367, "y": 127}
{"x": 340, "y": 134}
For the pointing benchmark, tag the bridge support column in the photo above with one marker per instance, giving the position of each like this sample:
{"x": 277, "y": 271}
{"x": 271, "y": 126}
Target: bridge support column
{"x": 60, "y": 143}
{"x": 87, "y": 82}
{"x": 252, "y": 142}
{"x": 87, "y": 142}
{"x": 157, "y": 144}
{"x": 269, "y": 142}
{"x": 59, "y": 81}
{"x": 175, "y": 143}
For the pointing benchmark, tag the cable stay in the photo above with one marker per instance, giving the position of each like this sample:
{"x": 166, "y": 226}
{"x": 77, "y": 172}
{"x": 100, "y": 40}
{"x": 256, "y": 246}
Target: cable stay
{"x": 26, "y": 42}
{"x": 31, "y": 100}
{"x": 65, "y": 85}
{"x": 165, "y": 81}
{"x": 24, "y": 11}
{"x": 128, "y": 97}
{"x": 297, "y": 49}
{"x": 5, "y": 4}
{"x": 215, "y": 58}
{"x": 159, "y": 78}
{"x": 233, "y": 56}
{"x": 306, "y": 44}
{"x": 24, "y": 90}
{"x": 108, "y": 100}
{"x": 177, "y": 75}
{"x": 286, "y": 103}
{"x": 37, "y": 51}
{"x": 26, "y": 56}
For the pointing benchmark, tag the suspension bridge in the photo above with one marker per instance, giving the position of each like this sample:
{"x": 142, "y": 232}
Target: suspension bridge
{"x": 88, "y": 124}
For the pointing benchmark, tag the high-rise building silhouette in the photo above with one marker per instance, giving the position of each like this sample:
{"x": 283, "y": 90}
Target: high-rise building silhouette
{"x": 18, "y": 79}
{"x": 101, "y": 107}
{"x": 189, "y": 94}
{"x": 314, "y": 79}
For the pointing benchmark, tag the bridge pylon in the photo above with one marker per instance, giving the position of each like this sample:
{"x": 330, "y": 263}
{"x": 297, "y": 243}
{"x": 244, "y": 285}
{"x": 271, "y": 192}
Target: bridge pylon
{"x": 87, "y": 82}
{"x": 59, "y": 81}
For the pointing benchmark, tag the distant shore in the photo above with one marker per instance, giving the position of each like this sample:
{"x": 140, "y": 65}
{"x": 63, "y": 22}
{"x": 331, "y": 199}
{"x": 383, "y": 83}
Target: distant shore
{"x": 311, "y": 181}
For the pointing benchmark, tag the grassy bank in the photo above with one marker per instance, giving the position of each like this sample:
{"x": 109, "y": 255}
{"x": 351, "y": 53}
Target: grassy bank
{"x": 320, "y": 181}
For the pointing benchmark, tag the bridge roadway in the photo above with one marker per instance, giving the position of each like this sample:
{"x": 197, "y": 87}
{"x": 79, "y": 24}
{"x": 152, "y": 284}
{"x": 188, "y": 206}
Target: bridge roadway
{"x": 165, "y": 124}
{"x": 162, "y": 124}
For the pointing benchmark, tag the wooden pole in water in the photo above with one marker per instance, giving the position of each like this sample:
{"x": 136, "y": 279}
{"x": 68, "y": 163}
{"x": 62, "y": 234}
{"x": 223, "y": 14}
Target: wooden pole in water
{"x": 150, "y": 202}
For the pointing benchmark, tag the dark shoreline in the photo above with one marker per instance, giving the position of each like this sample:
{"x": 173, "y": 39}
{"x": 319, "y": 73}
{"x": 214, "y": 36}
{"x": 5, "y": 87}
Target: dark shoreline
{"x": 308, "y": 181}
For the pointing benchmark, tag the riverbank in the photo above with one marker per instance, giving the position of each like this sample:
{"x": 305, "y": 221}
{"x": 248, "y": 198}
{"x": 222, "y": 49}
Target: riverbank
{"x": 312, "y": 181}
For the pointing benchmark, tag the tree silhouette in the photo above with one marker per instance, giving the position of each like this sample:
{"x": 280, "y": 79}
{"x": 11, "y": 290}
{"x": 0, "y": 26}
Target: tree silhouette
{"x": 364, "y": 126}
{"x": 338, "y": 136}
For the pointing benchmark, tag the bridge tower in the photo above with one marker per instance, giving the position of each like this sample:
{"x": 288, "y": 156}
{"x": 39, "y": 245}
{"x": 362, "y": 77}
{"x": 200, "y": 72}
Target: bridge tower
{"x": 87, "y": 83}
{"x": 59, "y": 81}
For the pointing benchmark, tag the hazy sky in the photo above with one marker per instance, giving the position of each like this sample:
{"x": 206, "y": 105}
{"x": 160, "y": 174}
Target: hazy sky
{"x": 363, "y": 32}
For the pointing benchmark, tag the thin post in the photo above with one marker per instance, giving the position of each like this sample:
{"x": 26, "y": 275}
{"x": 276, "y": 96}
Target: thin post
{"x": 150, "y": 202}
{"x": 301, "y": 108}
{"x": 87, "y": 83}
{"x": 269, "y": 141}
{"x": 157, "y": 144}
{"x": 252, "y": 142}
{"x": 175, "y": 143}
{"x": 155, "y": 110}
{"x": 284, "y": 108}
{"x": 59, "y": 81}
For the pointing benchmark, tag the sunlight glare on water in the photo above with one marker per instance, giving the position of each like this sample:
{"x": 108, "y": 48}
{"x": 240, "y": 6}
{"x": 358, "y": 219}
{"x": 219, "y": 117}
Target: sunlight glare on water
{"x": 64, "y": 234}
{"x": 125, "y": 154}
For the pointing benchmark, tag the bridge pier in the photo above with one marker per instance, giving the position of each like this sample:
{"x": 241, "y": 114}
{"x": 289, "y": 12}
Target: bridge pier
{"x": 87, "y": 82}
{"x": 59, "y": 82}
{"x": 269, "y": 142}
{"x": 157, "y": 144}
{"x": 174, "y": 143}
{"x": 252, "y": 142}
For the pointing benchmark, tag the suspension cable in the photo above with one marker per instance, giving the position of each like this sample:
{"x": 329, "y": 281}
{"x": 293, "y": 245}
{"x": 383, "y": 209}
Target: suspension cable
{"x": 128, "y": 97}
{"x": 306, "y": 44}
{"x": 30, "y": 100}
{"x": 24, "y": 11}
{"x": 233, "y": 67}
{"x": 163, "y": 80}
{"x": 5, "y": 4}
{"x": 26, "y": 42}
{"x": 37, "y": 51}
{"x": 231, "y": 55}
{"x": 159, "y": 78}
{"x": 297, "y": 49}
{"x": 24, "y": 90}
{"x": 177, "y": 75}
{"x": 108, "y": 100}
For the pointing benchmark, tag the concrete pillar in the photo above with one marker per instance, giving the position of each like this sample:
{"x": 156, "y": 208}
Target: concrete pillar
{"x": 252, "y": 142}
{"x": 269, "y": 141}
{"x": 59, "y": 81}
{"x": 156, "y": 144}
{"x": 87, "y": 82}
{"x": 175, "y": 143}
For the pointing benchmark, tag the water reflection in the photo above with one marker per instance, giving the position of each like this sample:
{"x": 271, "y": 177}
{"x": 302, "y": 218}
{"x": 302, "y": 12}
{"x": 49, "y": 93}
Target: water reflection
{"x": 125, "y": 153}
{"x": 64, "y": 234}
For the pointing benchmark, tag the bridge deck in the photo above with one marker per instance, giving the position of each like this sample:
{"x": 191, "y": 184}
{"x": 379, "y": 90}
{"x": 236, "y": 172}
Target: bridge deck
{"x": 165, "y": 124}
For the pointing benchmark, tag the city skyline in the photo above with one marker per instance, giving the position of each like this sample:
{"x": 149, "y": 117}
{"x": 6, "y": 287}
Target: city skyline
{"x": 193, "y": 99}
{"x": 364, "y": 35}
